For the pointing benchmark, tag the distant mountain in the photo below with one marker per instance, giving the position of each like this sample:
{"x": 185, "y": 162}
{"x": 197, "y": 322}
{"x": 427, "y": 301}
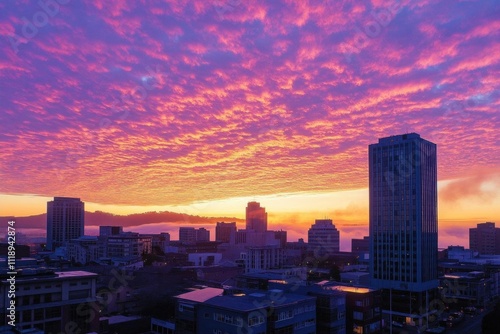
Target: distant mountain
{"x": 99, "y": 218}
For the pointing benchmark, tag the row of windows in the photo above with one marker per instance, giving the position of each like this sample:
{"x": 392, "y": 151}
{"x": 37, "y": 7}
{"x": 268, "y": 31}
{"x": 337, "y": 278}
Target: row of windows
{"x": 303, "y": 324}
{"x": 228, "y": 319}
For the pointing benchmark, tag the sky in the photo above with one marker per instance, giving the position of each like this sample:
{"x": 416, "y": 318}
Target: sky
{"x": 202, "y": 106}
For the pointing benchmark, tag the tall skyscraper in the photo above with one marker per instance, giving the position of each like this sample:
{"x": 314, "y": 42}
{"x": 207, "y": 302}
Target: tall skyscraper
{"x": 65, "y": 221}
{"x": 403, "y": 224}
{"x": 256, "y": 217}
{"x": 223, "y": 231}
{"x": 485, "y": 238}
{"x": 323, "y": 238}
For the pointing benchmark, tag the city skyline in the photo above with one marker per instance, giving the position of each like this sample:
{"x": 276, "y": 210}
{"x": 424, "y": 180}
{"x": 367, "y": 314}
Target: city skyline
{"x": 202, "y": 107}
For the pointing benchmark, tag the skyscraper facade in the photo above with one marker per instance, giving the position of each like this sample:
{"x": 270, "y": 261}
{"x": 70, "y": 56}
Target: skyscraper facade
{"x": 65, "y": 221}
{"x": 256, "y": 217}
{"x": 403, "y": 224}
{"x": 323, "y": 238}
{"x": 223, "y": 231}
{"x": 485, "y": 238}
{"x": 202, "y": 234}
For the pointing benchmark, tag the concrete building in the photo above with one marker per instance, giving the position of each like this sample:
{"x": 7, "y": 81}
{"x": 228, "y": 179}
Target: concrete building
{"x": 192, "y": 235}
{"x": 469, "y": 289}
{"x": 223, "y": 231}
{"x": 84, "y": 249}
{"x": 212, "y": 310}
{"x": 403, "y": 225}
{"x": 360, "y": 246}
{"x": 126, "y": 245}
{"x": 53, "y": 302}
{"x": 256, "y": 217}
{"x": 258, "y": 258}
{"x": 460, "y": 253}
{"x": 202, "y": 234}
{"x": 110, "y": 230}
{"x": 187, "y": 234}
{"x": 485, "y": 239}
{"x": 65, "y": 221}
{"x": 160, "y": 241}
{"x": 204, "y": 259}
{"x": 323, "y": 238}
{"x": 364, "y": 308}
{"x": 281, "y": 236}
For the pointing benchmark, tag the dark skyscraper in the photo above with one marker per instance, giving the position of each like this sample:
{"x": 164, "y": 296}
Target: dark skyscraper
{"x": 323, "y": 238}
{"x": 223, "y": 231}
{"x": 403, "y": 224}
{"x": 256, "y": 217}
{"x": 485, "y": 238}
{"x": 65, "y": 221}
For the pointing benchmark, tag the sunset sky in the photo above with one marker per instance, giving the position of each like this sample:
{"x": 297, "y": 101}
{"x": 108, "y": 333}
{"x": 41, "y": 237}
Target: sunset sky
{"x": 202, "y": 106}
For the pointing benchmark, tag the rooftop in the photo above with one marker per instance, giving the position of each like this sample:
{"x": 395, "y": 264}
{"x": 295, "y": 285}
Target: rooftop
{"x": 201, "y": 295}
{"x": 256, "y": 300}
{"x": 354, "y": 289}
{"x": 44, "y": 274}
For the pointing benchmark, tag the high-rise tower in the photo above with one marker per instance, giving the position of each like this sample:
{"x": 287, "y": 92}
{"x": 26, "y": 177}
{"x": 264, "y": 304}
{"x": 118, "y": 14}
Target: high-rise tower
{"x": 403, "y": 224}
{"x": 256, "y": 217}
{"x": 65, "y": 221}
{"x": 323, "y": 238}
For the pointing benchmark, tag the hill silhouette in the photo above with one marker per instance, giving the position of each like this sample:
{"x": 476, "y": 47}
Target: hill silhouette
{"x": 100, "y": 218}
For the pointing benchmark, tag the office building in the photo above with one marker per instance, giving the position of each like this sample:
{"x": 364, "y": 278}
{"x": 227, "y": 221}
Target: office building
{"x": 192, "y": 235}
{"x": 256, "y": 258}
{"x": 256, "y": 217}
{"x": 281, "y": 236}
{"x": 403, "y": 225}
{"x": 202, "y": 234}
{"x": 212, "y": 310}
{"x": 187, "y": 234}
{"x": 323, "y": 238}
{"x": 53, "y": 302}
{"x": 126, "y": 245}
{"x": 485, "y": 239}
{"x": 65, "y": 221}
{"x": 359, "y": 246}
{"x": 223, "y": 231}
{"x": 110, "y": 230}
{"x": 84, "y": 250}
{"x": 363, "y": 308}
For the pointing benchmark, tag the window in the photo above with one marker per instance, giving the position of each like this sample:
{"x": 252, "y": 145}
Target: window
{"x": 38, "y": 314}
{"x": 357, "y": 315}
{"x": 78, "y": 294}
{"x": 255, "y": 320}
{"x": 53, "y": 312}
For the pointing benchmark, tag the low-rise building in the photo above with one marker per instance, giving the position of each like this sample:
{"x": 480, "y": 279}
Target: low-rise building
{"x": 209, "y": 310}
{"x": 54, "y": 302}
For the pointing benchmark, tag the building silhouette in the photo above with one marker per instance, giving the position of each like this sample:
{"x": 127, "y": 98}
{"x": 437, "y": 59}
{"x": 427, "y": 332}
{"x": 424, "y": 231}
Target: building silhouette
{"x": 485, "y": 239}
{"x": 223, "y": 231}
{"x": 65, "y": 221}
{"x": 256, "y": 217}
{"x": 47, "y": 300}
{"x": 360, "y": 245}
{"x": 403, "y": 225}
{"x": 192, "y": 235}
{"x": 323, "y": 238}
{"x": 202, "y": 234}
